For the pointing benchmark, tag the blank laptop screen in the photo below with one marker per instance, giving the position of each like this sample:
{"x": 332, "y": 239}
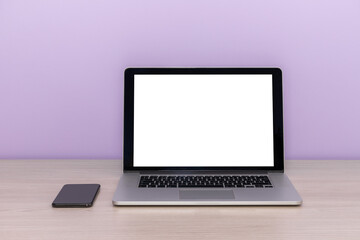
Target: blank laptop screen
{"x": 203, "y": 120}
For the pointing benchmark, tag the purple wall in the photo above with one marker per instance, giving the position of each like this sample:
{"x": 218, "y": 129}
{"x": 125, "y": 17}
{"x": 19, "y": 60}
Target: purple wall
{"x": 62, "y": 62}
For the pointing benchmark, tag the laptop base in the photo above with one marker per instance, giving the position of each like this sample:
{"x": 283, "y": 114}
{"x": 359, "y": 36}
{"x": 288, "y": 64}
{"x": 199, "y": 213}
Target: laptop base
{"x": 129, "y": 194}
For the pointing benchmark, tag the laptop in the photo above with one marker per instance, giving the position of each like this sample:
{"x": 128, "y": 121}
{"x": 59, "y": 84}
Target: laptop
{"x": 203, "y": 136}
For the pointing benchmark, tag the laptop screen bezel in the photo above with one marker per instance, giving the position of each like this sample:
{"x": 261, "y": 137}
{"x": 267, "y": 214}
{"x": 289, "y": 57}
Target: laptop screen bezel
{"x": 128, "y": 131}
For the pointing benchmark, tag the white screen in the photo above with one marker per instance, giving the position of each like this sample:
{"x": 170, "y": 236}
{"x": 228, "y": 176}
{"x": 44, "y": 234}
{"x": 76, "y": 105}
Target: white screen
{"x": 203, "y": 120}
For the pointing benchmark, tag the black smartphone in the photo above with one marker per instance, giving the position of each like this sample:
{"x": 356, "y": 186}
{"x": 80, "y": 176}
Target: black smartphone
{"x": 76, "y": 195}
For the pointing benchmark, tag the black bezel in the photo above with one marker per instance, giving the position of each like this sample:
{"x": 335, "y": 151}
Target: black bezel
{"x": 128, "y": 139}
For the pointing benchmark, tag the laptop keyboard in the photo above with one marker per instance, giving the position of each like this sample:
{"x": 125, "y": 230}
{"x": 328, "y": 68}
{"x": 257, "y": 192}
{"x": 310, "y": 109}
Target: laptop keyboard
{"x": 202, "y": 181}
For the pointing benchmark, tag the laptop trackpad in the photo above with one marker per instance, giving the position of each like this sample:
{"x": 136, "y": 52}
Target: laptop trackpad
{"x": 206, "y": 194}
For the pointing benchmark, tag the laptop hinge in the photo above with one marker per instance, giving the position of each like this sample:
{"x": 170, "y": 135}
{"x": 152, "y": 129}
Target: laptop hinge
{"x": 276, "y": 171}
{"x": 204, "y": 172}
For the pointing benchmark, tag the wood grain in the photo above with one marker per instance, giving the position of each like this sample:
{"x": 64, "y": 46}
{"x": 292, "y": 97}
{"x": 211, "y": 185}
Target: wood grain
{"x": 330, "y": 190}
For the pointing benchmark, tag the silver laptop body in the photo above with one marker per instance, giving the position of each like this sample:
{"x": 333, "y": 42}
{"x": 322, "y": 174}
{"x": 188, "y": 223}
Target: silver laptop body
{"x": 203, "y": 136}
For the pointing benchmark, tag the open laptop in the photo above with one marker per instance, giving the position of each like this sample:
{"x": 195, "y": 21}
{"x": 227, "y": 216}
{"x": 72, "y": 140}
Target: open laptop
{"x": 203, "y": 136}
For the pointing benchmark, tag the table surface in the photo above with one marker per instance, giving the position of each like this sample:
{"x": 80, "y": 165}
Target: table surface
{"x": 329, "y": 188}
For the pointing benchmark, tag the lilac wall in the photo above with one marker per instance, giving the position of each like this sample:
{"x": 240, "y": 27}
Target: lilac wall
{"x": 61, "y": 67}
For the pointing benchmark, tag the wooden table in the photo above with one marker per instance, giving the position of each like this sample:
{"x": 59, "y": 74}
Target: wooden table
{"x": 330, "y": 190}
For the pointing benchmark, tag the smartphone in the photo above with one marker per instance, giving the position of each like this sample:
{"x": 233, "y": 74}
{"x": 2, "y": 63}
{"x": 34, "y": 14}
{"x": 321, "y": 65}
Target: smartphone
{"x": 76, "y": 195}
